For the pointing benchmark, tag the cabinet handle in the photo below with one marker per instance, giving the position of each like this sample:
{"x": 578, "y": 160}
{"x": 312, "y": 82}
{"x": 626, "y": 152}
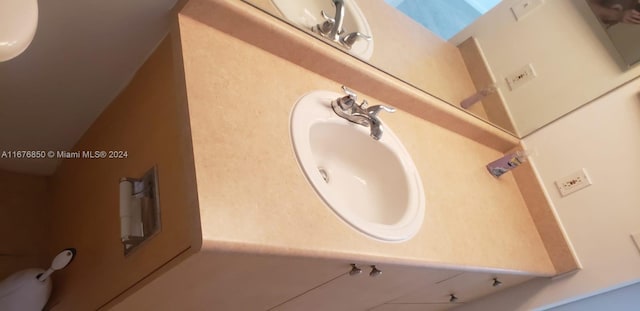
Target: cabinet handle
{"x": 354, "y": 270}
{"x": 375, "y": 271}
{"x": 496, "y": 283}
{"x": 453, "y": 298}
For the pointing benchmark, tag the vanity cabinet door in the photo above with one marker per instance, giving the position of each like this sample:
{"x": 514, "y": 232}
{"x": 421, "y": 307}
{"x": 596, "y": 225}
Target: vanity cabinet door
{"x": 464, "y": 287}
{"x": 232, "y": 281}
{"x": 414, "y": 307}
{"x": 362, "y": 291}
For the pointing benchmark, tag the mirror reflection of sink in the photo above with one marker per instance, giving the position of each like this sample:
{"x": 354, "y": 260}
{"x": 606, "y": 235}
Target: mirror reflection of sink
{"x": 306, "y": 14}
{"x": 371, "y": 185}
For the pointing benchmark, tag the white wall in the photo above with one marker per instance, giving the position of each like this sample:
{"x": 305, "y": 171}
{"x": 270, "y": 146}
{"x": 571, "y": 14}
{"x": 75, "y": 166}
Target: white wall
{"x": 626, "y": 298}
{"x": 604, "y": 138}
{"x": 572, "y": 56}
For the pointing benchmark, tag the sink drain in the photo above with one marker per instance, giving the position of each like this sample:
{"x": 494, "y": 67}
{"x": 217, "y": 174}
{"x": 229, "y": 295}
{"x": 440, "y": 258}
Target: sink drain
{"x": 324, "y": 174}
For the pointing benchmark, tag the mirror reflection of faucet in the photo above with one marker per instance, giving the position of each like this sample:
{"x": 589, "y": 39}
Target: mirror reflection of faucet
{"x": 347, "y": 108}
{"x": 333, "y": 30}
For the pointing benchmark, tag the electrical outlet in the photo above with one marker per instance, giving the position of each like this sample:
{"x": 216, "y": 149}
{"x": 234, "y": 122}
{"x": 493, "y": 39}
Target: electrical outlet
{"x": 636, "y": 240}
{"x": 524, "y": 7}
{"x": 572, "y": 183}
{"x": 520, "y": 77}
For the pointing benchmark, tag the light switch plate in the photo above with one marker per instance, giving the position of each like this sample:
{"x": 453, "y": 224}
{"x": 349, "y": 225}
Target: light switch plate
{"x": 524, "y": 7}
{"x": 636, "y": 239}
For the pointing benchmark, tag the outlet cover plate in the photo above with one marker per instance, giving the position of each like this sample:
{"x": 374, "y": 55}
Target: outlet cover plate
{"x": 520, "y": 77}
{"x": 574, "y": 182}
{"x": 524, "y": 7}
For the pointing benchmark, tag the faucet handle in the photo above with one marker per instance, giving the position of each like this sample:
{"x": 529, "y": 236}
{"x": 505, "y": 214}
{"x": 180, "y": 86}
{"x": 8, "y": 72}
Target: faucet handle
{"x": 350, "y": 92}
{"x": 327, "y": 17}
{"x": 350, "y": 39}
{"x": 364, "y": 104}
{"x": 347, "y": 102}
{"x": 374, "y": 110}
{"x": 325, "y": 27}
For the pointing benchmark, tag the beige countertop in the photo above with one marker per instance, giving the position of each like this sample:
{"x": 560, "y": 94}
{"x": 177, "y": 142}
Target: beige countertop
{"x": 254, "y": 197}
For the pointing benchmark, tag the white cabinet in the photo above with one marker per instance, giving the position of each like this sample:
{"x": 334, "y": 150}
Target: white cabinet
{"x": 447, "y": 293}
{"x": 241, "y": 281}
{"x": 232, "y": 281}
{"x": 414, "y": 307}
{"x": 363, "y": 292}
{"x": 236, "y": 281}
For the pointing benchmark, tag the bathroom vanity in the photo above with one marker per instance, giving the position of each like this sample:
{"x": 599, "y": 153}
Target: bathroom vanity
{"x": 253, "y": 234}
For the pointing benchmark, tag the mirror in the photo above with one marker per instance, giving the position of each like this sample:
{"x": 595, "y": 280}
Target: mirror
{"x": 557, "y": 51}
{"x": 621, "y": 20}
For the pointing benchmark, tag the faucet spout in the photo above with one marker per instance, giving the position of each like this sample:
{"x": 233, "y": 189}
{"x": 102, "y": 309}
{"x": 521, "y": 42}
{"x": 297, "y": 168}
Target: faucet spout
{"x": 338, "y": 20}
{"x": 375, "y": 124}
{"x": 375, "y": 129}
{"x": 332, "y": 28}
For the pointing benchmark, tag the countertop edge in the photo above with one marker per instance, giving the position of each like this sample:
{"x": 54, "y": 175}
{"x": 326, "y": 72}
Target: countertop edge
{"x": 220, "y": 246}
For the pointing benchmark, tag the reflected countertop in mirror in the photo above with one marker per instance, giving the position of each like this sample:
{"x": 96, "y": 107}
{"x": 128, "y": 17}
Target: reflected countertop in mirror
{"x": 569, "y": 55}
{"x": 404, "y": 46}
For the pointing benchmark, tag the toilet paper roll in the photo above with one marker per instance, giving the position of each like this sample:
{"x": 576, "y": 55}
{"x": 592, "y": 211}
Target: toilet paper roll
{"x": 126, "y": 192}
{"x": 135, "y": 220}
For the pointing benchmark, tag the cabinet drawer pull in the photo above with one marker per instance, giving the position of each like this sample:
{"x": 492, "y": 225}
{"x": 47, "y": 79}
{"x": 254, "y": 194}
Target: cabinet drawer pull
{"x": 354, "y": 270}
{"x": 453, "y": 298}
{"x": 375, "y": 271}
{"x": 496, "y": 283}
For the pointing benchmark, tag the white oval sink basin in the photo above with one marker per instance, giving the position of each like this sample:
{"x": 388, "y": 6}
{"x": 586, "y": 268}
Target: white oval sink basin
{"x": 306, "y": 14}
{"x": 371, "y": 185}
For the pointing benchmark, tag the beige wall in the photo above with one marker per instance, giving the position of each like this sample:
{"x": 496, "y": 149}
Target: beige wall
{"x": 598, "y": 219}
{"x": 149, "y": 122}
{"x": 23, "y": 222}
{"x": 572, "y": 56}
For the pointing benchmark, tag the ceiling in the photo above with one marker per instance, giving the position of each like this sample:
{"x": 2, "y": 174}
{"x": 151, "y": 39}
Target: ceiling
{"x": 83, "y": 54}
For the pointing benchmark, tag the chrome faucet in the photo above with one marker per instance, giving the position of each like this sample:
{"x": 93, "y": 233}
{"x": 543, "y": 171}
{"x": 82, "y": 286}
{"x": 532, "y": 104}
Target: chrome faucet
{"x": 332, "y": 29}
{"x": 347, "y": 108}
{"x": 338, "y": 20}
